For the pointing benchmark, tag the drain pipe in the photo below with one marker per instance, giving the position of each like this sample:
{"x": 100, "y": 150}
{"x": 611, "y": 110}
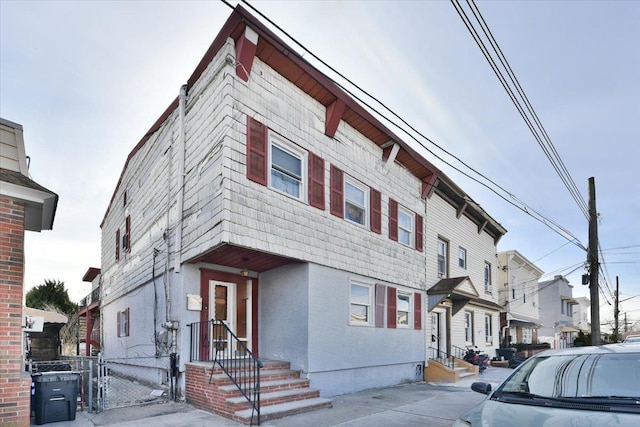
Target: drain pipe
{"x": 182, "y": 100}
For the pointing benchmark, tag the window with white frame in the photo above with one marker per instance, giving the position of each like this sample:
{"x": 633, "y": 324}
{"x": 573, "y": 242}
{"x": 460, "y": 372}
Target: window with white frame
{"x": 487, "y": 278}
{"x": 403, "y": 309}
{"x": 462, "y": 258}
{"x": 356, "y": 199}
{"x": 524, "y": 294}
{"x": 361, "y": 304}
{"x": 514, "y": 287}
{"x": 442, "y": 257}
{"x": 123, "y": 323}
{"x": 468, "y": 327}
{"x": 527, "y": 335}
{"x": 287, "y": 168}
{"x": 488, "y": 329}
{"x": 405, "y": 227}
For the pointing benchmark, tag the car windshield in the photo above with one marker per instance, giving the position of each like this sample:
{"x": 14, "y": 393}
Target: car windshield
{"x": 615, "y": 375}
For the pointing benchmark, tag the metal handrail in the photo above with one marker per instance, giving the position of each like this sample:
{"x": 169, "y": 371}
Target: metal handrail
{"x": 213, "y": 341}
{"x": 442, "y": 357}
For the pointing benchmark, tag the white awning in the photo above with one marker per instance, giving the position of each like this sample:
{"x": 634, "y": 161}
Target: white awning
{"x": 517, "y": 319}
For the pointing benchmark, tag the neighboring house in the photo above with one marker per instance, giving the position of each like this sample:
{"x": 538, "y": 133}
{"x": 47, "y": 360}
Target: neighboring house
{"x": 89, "y": 315}
{"x": 556, "y": 312}
{"x": 461, "y": 241}
{"x": 24, "y": 206}
{"x": 582, "y": 314}
{"x": 518, "y": 291}
{"x": 44, "y": 344}
{"x": 267, "y": 198}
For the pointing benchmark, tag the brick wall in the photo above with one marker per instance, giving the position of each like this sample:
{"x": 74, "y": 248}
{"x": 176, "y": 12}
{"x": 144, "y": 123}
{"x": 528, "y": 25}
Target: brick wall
{"x": 15, "y": 384}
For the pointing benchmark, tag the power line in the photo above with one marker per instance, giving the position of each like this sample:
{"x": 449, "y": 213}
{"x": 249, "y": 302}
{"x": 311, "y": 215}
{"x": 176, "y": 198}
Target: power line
{"x": 540, "y": 133}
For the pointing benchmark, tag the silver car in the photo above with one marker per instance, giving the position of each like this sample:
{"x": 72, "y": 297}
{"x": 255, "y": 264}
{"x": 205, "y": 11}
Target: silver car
{"x": 582, "y": 386}
{"x": 632, "y": 338}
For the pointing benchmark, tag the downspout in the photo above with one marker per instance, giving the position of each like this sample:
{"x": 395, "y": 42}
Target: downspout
{"x": 172, "y": 325}
{"x": 182, "y": 100}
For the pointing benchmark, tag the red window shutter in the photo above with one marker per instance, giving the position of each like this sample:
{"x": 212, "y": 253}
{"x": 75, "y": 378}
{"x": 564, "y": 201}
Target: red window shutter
{"x": 316, "y": 181}
{"x": 376, "y": 211}
{"x": 118, "y": 319}
{"x": 118, "y": 245}
{"x": 419, "y": 233}
{"x": 417, "y": 311}
{"x": 128, "y": 233}
{"x": 256, "y": 151}
{"x": 337, "y": 192}
{"x": 391, "y": 307}
{"x": 393, "y": 220}
{"x": 127, "y": 323}
{"x": 379, "y": 315}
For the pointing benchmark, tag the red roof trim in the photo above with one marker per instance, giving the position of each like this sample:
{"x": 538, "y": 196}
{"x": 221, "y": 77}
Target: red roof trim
{"x": 281, "y": 54}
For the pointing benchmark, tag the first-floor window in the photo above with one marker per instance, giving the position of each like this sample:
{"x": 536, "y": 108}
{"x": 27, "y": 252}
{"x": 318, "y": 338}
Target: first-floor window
{"x": 123, "y": 323}
{"x": 404, "y": 309}
{"x": 488, "y": 328}
{"x": 468, "y": 327}
{"x": 360, "y": 306}
{"x": 526, "y": 335}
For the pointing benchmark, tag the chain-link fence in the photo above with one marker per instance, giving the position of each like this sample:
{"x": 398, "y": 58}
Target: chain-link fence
{"x": 113, "y": 383}
{"x": 128, "y": 382}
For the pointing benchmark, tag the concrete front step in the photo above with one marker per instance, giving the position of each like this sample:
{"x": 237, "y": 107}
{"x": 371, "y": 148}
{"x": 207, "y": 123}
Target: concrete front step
{"x": 271, "y": 386}
{"x": 275, "y": 397}
{"x": 281, "y": 410}
{"x": 222, "y": 379}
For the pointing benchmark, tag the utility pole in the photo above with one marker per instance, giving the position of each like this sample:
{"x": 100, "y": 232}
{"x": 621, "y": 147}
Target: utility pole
{"x": 616, "y": 311}
{"x": 594, "y": 267}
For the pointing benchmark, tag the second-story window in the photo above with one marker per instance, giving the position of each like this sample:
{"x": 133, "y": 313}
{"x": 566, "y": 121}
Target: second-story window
{"x": 286, "y": 165}
{"x": 487, "y": 278}
{"x": 462, "y": 258}
{"x": 356, "y": 197}
{"x": 405, "y": 227}
{"x": 442, "y": 258}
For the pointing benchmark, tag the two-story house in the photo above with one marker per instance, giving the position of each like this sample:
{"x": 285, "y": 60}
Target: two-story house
{"x": 461, "y": 240}
{"x": 267, "y": 213}
{"x": 556, "y": 312}
{"x": 518, "y": 295}
{"x": 582, "y": 314}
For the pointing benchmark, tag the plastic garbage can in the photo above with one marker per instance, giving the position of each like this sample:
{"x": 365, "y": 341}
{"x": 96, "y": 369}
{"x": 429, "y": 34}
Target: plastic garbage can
{"x": 56, "y": 395}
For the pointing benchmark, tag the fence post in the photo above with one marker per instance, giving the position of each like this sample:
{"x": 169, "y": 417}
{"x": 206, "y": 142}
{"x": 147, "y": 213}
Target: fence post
{"x": 90, "y": 386}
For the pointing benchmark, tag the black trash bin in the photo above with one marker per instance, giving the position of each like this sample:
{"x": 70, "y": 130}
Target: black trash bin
{"x": 56, "y": 395}
{"x": 507, "y": 353}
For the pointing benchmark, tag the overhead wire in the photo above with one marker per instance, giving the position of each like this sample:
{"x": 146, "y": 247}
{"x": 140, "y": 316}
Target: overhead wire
{"x": 563, "y": 232}
{"x": 539, "y": 133}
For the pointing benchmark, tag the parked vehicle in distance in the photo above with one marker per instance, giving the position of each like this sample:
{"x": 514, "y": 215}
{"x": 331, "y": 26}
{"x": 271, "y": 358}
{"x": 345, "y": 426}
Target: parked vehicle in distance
{"x": 632, "y": 338}
{"x": 593, "y": 385}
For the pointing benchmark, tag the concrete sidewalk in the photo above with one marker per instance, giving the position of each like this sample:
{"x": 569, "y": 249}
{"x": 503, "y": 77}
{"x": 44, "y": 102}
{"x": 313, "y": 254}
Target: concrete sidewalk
{"x": 415, "y": 404}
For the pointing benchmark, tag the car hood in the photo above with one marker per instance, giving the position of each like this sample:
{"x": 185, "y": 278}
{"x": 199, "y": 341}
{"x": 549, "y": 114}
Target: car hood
{"x": 499, "y": 414}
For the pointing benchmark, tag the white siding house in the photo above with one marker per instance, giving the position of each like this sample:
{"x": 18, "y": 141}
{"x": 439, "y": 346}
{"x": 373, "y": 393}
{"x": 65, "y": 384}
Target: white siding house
{"x": 557, "y": 312}
{"x": 518, "y": 294}
{"x": 461, "y": 265}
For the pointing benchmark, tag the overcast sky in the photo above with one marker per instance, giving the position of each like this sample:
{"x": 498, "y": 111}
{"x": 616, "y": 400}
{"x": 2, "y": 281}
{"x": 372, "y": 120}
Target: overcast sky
{"x": 87, "y": 79}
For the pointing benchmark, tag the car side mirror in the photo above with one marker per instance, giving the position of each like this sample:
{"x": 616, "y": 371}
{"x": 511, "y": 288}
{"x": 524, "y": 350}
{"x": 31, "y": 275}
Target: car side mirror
{"x": 484, "y": 388}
